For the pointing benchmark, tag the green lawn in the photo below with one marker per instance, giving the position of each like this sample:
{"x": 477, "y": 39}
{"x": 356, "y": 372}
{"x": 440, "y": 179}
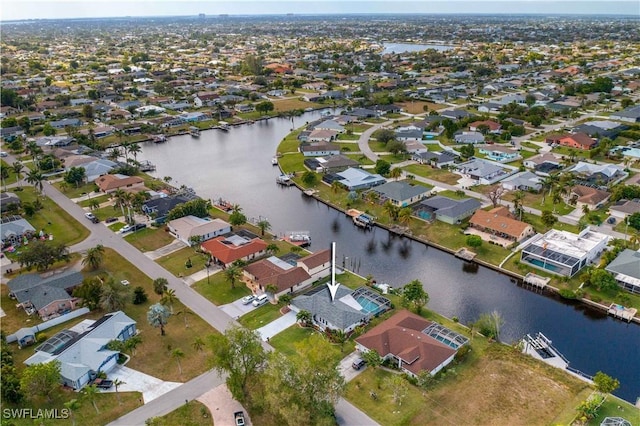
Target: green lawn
{"x": 290, "y": 143}
{"x": 286, "y": 340}
{"x": 441, "y": 175}
{"x": 452, "y": 194}
{"x": 291, "y": 163}
{"x": 616, "y": 407}
{"x": 100, "y": 199}
{"x": 261, "y": 316}
{"x": 347, "y": 137}
{"x": 192, "y": 414}
{"x": 377, "y": 146}
{"x": 176, "y": 262}
{"x": 72, "y": 191}
{"x": 362, "y": 159}
{"x": 12, "y": 176}
{"x": 149, "y": 239}
{"x": 218, "y": 290}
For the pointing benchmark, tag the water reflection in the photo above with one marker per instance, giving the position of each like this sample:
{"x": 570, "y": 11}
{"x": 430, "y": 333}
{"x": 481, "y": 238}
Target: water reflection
{"x": 470, "y": 268}
{"x": 371, "y": 246}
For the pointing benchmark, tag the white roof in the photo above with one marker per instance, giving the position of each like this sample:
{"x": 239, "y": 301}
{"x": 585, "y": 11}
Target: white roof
{"x": 574, "y": 245}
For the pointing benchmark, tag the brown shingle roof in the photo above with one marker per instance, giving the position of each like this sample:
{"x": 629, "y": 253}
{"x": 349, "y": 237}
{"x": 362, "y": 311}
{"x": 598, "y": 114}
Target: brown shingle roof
{"x": 266, "y": 272}
{"x": 109, "y": 182}
{"x": 499, "y": 220}
{"x": 589, "y": 195}
{"x": 316, "y": 259}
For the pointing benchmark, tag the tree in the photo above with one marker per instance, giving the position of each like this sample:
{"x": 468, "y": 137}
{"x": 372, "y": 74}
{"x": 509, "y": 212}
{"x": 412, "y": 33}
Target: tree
{"x": 35, "y": 178}
{"x": 272, "y": 248}
{"x": 113, "y": 297}
{"x": 169, "y": 298}
{"x": 490, "y": 324}
{"x": 75, "y": 176}
{"x": 391, "y": 209}
{"x": 41, "y": 379}
{"x": 603, "y": 280}
{"x": 304, "y": 389}
{"x": 634, "y": 221}
{"x": 17, "y": 167}
{"x": 198, "y": 344}
{"x": 237, "y": 218}
{"x": 395, "y": 173}
{"x": 139, "y": 296}
{"x": 42, "y": 254}
{"x": 264, "y": 225}
{"x": 467, "y": 151}
{"x": 372, "y": 358}
{"x": 384, "y": 135}
{"x": 474, "y": 241}
{"x": 48, "y": 130}
{"x": 548, "y": 218}
{"x": 4, "y": 175}
{"x": 197, "y": 207}
{"x": 398, "y": 387}
{"x": 177, "y": 354}
{"x": 414, "y": 295}
{"x": 89, "y": 291}
{"x": 382, "y": 167}
{"x": 264, "y": 107}
{"x": 135, "y": 149}
{"x": 131, "y": 344}
{"x": 160, "y": 285}
{"x": 239, "y": 353}
{"x": 158, "y": 317}
{"x": 94, "y": 257}
{"x": 72, "y": 405}
{"x": 117, "y": 383}
{"x": 309, "y": 178}
{"x": 496, "y": 195}
{"x": 404, "y": 215}
{"x": 303, "y": 317}
{"x": 605, "y": 383}
{"x": 232, "y": 274}
{"x": 90, "y": 393}
{"x": 9, "y": 377}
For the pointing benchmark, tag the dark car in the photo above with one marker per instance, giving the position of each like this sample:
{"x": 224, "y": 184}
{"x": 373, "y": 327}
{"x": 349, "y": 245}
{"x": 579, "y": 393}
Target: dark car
{"x": 358, "y": 364}
{"x": 238, "y": 416}
{"x": 111, "y": 220}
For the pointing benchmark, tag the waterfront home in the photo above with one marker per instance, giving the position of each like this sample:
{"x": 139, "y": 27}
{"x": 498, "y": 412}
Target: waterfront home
{"x": 401, "y": 193}
{"x": 455, "y": 114}
{"x": 66, "y": 122}
{"x": 239, "y": 245}
{"x": 414, "y": 343}
{"x": 191, "y": 228}
{"x": 330, "y": 125}
{"x": 14, "y": 230}
{"x": 53, "y": 141}
{"x": 598, "y": 174}
{"x": 354, "y": 179}
{"x": 563, "y": 252}
{"x": 317, "y": 149}
{"x": 468, "y": 137}
{"x": 159, "y": 208}
{"x": 624, "y": 208}
{"x": 498, "y": 153}
{"x": 286, "y": 277}
{"x": 82, "y": 351}
{"x": 111, "y": 183}
{"x": 348, "y": 310}
{"x": 9, "y": 200}
{"x": 500, "y": 222}
{"x": 525, "y": 181}
{"x": 626, "y": 270}
{"x": 49, "y": 296}
{"x": 330, "y": 164}
{"x": 484, "y": 172}
{"x": 316, "y": 264}
{"x": 445, "y": 209}
{"x": 437, "y": 159}
{"x": 593, "y": 198}
{"x": 98, "y": 167}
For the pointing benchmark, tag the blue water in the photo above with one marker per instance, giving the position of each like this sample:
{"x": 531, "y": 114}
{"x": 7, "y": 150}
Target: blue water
{"x": 368, "y": 306}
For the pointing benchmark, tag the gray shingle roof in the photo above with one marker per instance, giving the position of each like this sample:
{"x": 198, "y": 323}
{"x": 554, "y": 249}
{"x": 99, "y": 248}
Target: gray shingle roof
{"x": 627, "y": 263}
{"x": 337, "y": 313}
{"x": 449, "y": 207}
{"x": 400, "y": 191}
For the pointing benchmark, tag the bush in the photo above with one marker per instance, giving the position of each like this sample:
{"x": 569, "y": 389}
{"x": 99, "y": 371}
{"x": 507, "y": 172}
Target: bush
{"x": 566, "y": 293}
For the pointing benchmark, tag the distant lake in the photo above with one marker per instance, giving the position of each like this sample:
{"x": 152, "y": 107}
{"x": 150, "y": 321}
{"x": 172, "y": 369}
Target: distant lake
{"x": 405, "y": 47}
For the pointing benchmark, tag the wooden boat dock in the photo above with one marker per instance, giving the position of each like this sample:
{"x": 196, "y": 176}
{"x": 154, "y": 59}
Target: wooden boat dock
{"x": 619, "y": 311}
{"x": 536, "y": 280}
{"x": 284, "y": 180}
{"x": 465, "y": 254}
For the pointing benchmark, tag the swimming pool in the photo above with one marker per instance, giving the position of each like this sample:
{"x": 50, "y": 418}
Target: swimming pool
{"x": 369, "y": 306}
{"x": 544, "y": 265}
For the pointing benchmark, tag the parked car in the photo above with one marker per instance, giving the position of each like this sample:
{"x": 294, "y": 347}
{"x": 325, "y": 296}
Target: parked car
{"x": 248, "y": 299}
{"x": 103, "y": 383}
{"x": 3, "y": 154}
{"x": 238, "y": 416}
{"x": 111, "y": 220}
{"x": 92, "y": 217}
{"x": 133, "y": 228}
{"x": 358, "y": 363}
{"x": 260, "y": 300}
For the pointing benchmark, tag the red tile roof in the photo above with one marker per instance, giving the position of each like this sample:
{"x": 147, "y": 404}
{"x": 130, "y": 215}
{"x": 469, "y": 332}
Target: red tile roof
{"x": 316, "y": 259}
{"x": 266, "y": 272}
{"x": 228, "y": 253}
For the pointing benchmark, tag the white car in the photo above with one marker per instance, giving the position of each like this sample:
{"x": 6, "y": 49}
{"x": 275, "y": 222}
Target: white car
{"x": 248, "y": 299}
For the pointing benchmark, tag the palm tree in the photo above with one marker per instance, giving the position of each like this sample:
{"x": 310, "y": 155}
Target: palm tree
{"x": 17, "y": 169}
{"x": 395, "y": 173}
{"x": 585, "y": 209}
{"x": 232, "y": 273}
{"x": 518, "y": 196}
{"x": 135, "y": 149}
{"x": 372, "y": 197}
{"x": 335, "y": 186}
{"x": 272, "y": 248}
{"x": 236, "y": 208}
{"x": 114, "y": 154}
{"x": 549, "y": 183}
{"x": 112, "y": 298}
{"x": 94, "y": 204}
{"x": 64, "y": 186}
{"x": 158, "y": 316}
{"x": 94, "y": 257}
{"x": 391, "y": 209}
{"x": 404, "y": 215}
{"x": 303, "y": 317}
{"x": 117, "y": 382}
{"x": 264, "y": 225}
{"x": 35, "y": 178}
{"x": 4, "y": 175}
{"x": 131, "y": 344}
{"x": 169, "y": 298}
{"x": 340, "y": 338}
{"x": 90, "y": 393}
{"x": 272, "y": 289}
{"x": 72, "y": 405}
{"x": 198, "y": 345}
{"x": 177, "y": 354}
{"x": 160, "y": 285}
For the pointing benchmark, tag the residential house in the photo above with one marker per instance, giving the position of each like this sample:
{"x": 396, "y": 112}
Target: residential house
{"x": 598, "y": 174}
{"x": 8, "y": 200}
{"x": 628, "y": 115}
{"x": 563, "y": 252}
{"x": 354, "y": 179}
{"x": 593, "y": 198}
{"x": 61, "y": 124}
{"x": 240, "y": 245}
{"x": 349, "y": 309}
{"x": 82, "y": 351}
{"x": 455, "y": 114}
{"x": 201, "y": 99}
{"x": 524, "y": 181}
{"x": 446, "y": 209}
{"x": 190, "y": 228}
{"x": 624, "y": 208}
{"x": 53, "y": 141}
{"x": 159, "y": 208}
{"x": 468, "y": 137}
{"x": 437, "y": 159}
{"x": 330, "y": 164}
{"x": 316, "y": 264}
{"x": 626, "y": 270}
{"x": 489, "y": 107}
{"x": 416, "y": 344}
{"x": 413, "y": 134}
{"x": 317, "y": 149}
{"x": 361, "y": 113}
{"x": 401, "y": 193}
{"x": 484, "y": 172}
{"x": 97, "y": 168}
{"x": 492, "y": 126}
{"x": 322, "y": 135}
{"x": 600, "y": 129}
{"x": 286, "y": 277}
{"x": 500, "y": 222}
{"x": 331, "y": 125}
{"x": 577, "y": 140}
{"x": 498, "y": 153}
{"x": 49, "y": 296}
{"x": 543, "y": 164}
{"x": 14, "y": 230}
{"x": 111, "y": 183}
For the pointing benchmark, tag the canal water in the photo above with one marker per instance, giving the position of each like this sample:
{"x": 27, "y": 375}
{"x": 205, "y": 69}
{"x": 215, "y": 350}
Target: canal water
{"x": 236, "y": 166}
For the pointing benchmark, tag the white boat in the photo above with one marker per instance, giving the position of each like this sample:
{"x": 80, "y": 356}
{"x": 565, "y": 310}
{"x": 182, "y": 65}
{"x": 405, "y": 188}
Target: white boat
{"x": 194, "y": 131}
{"x": 274, "y": 161}
{"x": 224, "y": 126}
{"x": 158, "y": 138}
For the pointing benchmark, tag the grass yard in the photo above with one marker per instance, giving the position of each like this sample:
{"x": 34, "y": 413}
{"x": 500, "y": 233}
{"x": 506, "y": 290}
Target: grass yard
{"x": 347, "y": 137}
{"x": 454, "y": 195}
{"x": 72, "y": 191}
{"x": 358, "y": 127}
{"x": 429, "y": 172}
{"x": 535, "y": 201}
{"x": 291, "y": 163}
{"x": 286, "y": 340}
{"x": 53, "y": 219}
{"x": 289, "y": 104}
{"x": 218, "y": 290}
{"x": 149, "y": 239}
{"x": 377, "y": 146}
{"x": 261, "y": 316}
{"x": 194, "y": 413}
{"x": 362, "y": 159}
{"x": 289, "y": 143}
{"x": 616, "y": 407}
{"x": 100, "y": 199}
{"x": 13, "y": 178}
{"x": 480, "y": 391}
{"x": 176, "y": 262}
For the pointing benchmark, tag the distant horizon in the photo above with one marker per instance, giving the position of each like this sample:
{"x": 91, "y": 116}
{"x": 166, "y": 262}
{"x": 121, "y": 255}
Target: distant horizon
{"x": 16, "y": 10}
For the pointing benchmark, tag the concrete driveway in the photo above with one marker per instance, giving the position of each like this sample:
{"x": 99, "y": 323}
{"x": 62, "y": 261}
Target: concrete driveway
{"x": 163, "y": 251}
{"x": 236, "y": 309}
{"x": 275, "y": 327}
{"x": 345, "y": 368}
{"x": 222, "y": 406}
{"x": 136, "y": 381}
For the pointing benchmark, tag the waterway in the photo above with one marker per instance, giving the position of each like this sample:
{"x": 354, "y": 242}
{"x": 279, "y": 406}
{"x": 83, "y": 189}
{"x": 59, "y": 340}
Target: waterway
{"x": 407, "y": 48}
{"x": 236, "y": 166}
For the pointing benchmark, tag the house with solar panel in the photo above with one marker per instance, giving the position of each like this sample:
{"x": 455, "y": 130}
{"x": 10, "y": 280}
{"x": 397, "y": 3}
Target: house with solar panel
{"x": 82, "y": 350}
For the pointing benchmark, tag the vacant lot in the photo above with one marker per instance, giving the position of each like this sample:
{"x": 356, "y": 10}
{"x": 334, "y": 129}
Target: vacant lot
{"x": 501, "y": 387}
{"x": 149, "y": 239}
{"x": 289, "y": 104}
{"x": 176, "y": 262}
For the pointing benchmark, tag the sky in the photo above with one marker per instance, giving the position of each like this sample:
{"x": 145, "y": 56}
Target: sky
{"x": 56, "y": 9}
